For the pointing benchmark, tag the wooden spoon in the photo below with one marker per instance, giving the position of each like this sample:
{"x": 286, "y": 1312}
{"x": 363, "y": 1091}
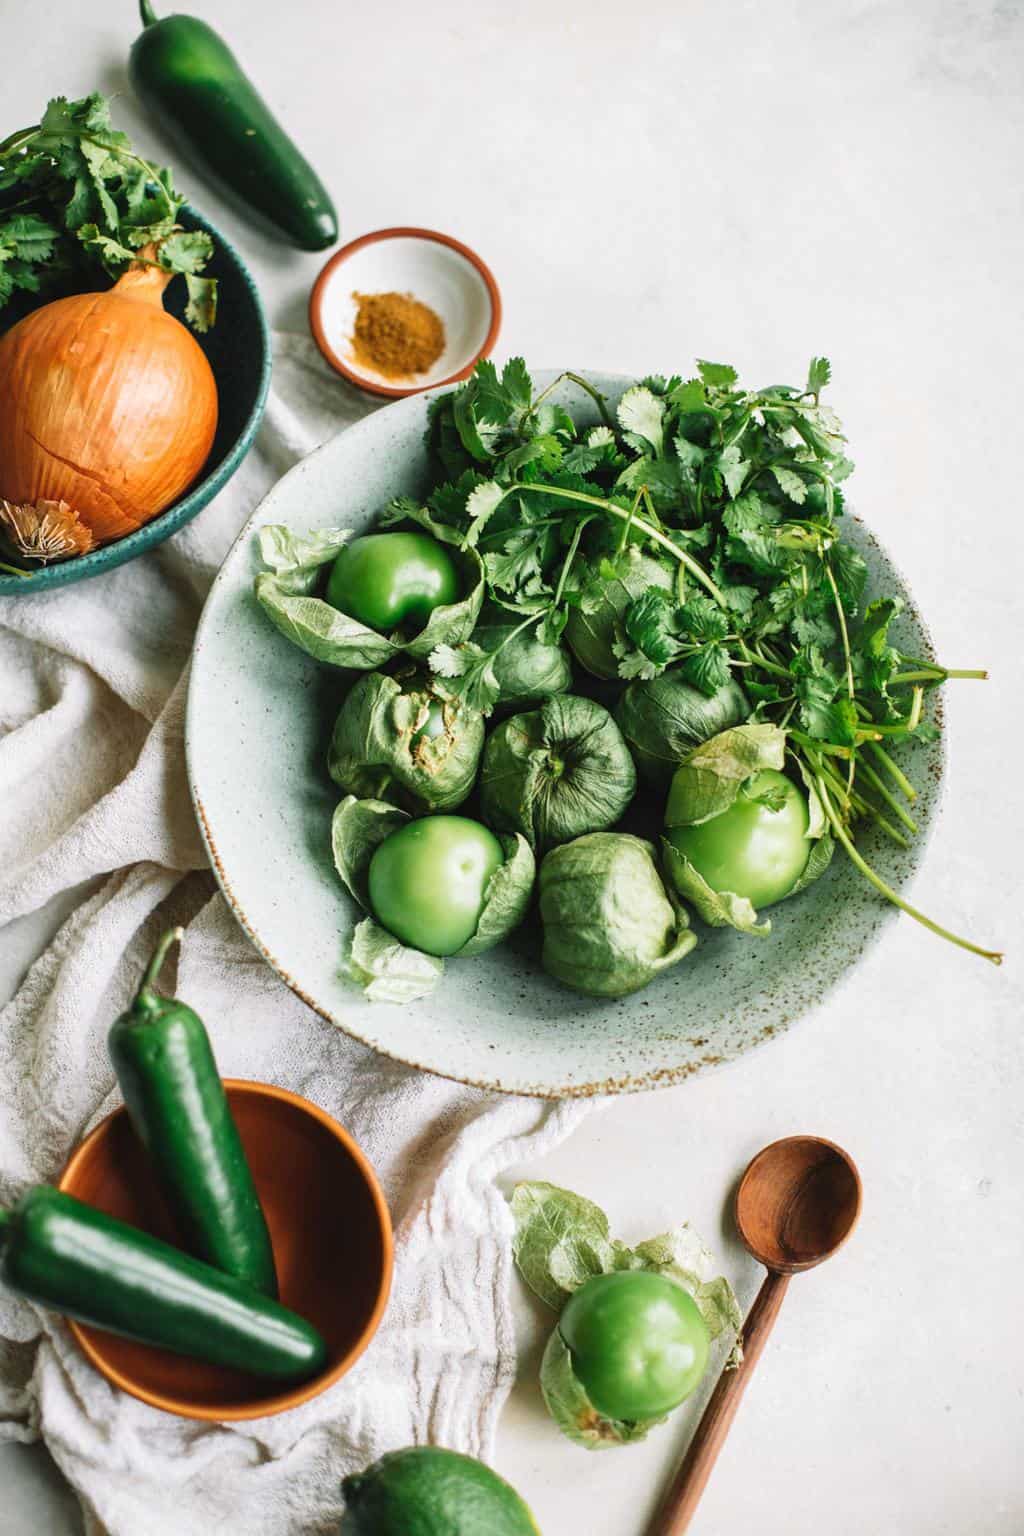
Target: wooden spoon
{"x": 796, "y": 1204}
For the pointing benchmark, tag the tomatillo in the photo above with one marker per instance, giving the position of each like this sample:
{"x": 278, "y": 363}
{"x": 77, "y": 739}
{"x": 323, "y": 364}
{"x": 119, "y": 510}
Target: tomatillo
{"x": 388, "y": 579}
{"x": 428, "y": 881}
{"x": 758, "y": 848}
{"x": 638, "y": 1343}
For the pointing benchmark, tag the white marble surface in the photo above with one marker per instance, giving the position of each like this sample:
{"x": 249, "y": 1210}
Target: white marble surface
{"x": 752, "y": 183}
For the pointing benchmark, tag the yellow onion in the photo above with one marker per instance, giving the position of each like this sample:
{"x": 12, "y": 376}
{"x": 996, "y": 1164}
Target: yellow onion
{"x": 107, "y": 403}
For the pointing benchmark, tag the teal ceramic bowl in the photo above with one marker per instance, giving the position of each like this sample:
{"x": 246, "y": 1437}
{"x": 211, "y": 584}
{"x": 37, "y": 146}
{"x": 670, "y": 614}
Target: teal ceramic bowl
{"x": 238, "y": 348}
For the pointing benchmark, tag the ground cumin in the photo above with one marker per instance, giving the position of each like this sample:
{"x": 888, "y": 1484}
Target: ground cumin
{"x": 395, "y": 334}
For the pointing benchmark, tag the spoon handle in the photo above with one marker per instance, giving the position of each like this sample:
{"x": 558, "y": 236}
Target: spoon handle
{"x": 683, "y": 1495}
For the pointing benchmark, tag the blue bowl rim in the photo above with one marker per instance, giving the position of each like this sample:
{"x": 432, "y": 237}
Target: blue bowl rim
{"x": 161, "y": 527}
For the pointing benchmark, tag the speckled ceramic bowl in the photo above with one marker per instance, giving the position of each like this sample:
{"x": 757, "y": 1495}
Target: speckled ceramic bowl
{"x": 259, "y": 716}
{"x": 238, "y": 348}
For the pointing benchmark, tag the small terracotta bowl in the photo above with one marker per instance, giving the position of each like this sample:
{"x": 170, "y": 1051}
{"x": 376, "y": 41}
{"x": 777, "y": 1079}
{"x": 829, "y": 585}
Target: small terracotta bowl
{"x": 330, "y": 1229}
{"x": 439, "y": 271}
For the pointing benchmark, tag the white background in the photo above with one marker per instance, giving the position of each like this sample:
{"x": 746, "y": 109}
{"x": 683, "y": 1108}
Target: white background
{"x": 751, "y": 183}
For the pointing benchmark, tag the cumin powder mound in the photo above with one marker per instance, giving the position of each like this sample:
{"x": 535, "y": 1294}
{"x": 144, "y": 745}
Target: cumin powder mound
{"x": 396, "y": 334}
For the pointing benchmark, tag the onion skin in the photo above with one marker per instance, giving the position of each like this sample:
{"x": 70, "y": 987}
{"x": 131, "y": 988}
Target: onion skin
{"x": 108, "y": 403}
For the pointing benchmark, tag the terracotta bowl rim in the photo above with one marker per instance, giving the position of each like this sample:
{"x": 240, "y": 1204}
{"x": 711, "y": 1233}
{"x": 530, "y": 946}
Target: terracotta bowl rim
{"x": 401, "y": 231}
{"x": 280, "y": 1402}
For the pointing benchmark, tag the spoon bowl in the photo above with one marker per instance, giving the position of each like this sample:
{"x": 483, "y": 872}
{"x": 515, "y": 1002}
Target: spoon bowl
{"x": 797, "y": 1203}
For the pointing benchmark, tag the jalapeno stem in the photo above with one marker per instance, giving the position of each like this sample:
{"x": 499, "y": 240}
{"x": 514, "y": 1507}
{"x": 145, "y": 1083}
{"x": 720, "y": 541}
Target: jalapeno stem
{"x": 170, "y": 938}
{"x": 147, "y": 13}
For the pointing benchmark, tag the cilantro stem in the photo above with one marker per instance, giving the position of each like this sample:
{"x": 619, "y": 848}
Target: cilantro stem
{"x": 828, "y": 747}
{"x": 502, "y": 533}
{"x": 756, "y": 659}
{"x": 841, "y": 616}
{"x": 914, "y": 717}
{"x": 145, "y": 165}
{"x": 601, "y": 401}
{"x": 857, "y": 803}
{"x": 872, "y": 727}
{"x": 13, "y": 570}
{"x": 847, "y": 658}
{"x": 623, "y": 514}
{"x": 936, "y": 675}
{"x": 886, "y": 890}
{"x": 880, "y": 787}
{"x": 627, "y": 525}
{"x": 18, "y": 140}
{"x": 894, "y": 771}
{"x": 570, "y": 557}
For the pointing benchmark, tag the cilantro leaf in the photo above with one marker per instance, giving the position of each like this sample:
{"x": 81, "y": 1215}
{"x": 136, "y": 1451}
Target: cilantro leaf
{"x": 481, "y": 504}
{"x": 186, "y": 251}
{"x": 818, "y": 375}
{"x": 790, "y": 483}
{"x": 201, "y": 309}
{"x": 517, "y": 384}
{"x": 717, "y": 375}
{"x": 691, "y": 396}
{"x": 650, "y": 622}
{"x": 702, "y": 619}
{"x": 469, "y": 673}
{"x": 851, "y": 575}
{"x": 86, "y": 198}
{"x": 733, "y": 468}
{"x": 641, "y": 415}
{"x": 707, "y": 669}
{"x": 28, "y": 237}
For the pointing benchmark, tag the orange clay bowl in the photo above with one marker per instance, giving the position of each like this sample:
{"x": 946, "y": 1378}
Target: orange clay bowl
{"x": 332, "y": 1243}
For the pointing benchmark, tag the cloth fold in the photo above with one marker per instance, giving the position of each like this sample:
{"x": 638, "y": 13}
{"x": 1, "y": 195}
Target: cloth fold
{"x": 92, "y": 780}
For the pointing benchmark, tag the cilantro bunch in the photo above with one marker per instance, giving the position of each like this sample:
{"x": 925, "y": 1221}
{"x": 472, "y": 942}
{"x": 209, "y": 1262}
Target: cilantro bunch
{"x": 734, "y": 498}
{"x": 76, "y": 199}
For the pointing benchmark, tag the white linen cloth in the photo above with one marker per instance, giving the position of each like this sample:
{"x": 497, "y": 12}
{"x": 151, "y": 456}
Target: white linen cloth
{"x": 92, "y": 787}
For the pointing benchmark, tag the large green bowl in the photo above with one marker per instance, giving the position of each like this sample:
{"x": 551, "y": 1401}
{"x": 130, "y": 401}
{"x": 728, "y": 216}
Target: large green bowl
{"x": 238, "y": 348}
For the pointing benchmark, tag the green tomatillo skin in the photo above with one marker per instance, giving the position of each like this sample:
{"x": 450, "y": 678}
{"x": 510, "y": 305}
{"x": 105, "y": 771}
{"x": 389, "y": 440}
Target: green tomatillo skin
{"x": 638, "y": 1343}
{"x": 609, "y": 927}
{"x": 399, "y": 739}
{"x": 556, "y": 772}
{"x": 752, "y": 849}
{"x": 664, "y": 718}
{"x": 428, "y": 881}
{"x": 389, "y": 579}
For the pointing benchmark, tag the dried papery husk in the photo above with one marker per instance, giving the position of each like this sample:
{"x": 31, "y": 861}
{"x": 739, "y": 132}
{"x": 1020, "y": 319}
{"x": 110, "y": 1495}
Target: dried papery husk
{"x": 45, "y": 530}
{"x": 107, "y": 403}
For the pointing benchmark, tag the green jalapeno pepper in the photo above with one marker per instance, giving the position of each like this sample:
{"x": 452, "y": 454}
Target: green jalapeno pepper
{"x": 63, "y": 1254}
{"x": 177, "y": 1105}
{"x": 193, "y": 84}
